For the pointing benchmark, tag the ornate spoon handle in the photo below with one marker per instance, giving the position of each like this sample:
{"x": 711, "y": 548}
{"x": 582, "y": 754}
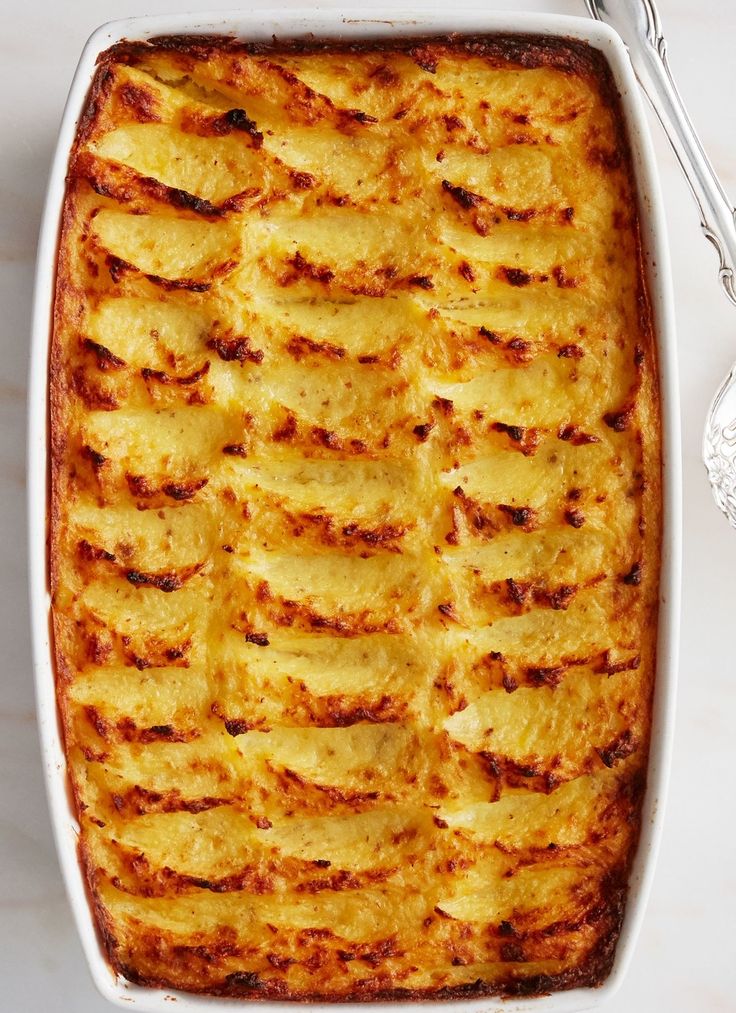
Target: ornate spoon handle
{"x": 638, "y": 24}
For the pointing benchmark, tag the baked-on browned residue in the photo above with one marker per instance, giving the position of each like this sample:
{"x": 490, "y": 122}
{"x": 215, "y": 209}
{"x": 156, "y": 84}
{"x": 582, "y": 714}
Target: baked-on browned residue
{"x": 354, "y": 525}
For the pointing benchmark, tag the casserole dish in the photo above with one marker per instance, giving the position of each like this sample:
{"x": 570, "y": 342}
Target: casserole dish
{"x": 252, "y": 29}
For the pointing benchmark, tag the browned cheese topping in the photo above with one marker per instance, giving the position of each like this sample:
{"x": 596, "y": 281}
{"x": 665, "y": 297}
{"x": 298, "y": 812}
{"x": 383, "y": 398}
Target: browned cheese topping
{"x": 355, "y": 515}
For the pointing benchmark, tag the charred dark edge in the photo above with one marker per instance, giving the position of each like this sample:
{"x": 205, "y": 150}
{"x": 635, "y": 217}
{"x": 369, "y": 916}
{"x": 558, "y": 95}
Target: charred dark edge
{"x": 148, "y": 187}
{"x": 166, "y": 581}
{"x": 98, "y": 93}
{"x": 140, "y": 487}
{"x": 103, "y": 923}
{"x": 591, "y": 973}
{"x": 118, "y": 267}
{"x": 161, "y": 376}
{"x": 530, "y": 51}
{"x": 465, "y": 198}
{"x": 180, "y": 199}
{"x": 58, "y": 399}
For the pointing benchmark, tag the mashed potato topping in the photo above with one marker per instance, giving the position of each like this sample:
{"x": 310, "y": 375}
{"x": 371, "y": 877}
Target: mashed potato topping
{"x": 355, "y": 515}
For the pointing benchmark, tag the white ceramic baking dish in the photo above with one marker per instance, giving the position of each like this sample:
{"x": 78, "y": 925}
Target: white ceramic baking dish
{"x": 384, "y": 22}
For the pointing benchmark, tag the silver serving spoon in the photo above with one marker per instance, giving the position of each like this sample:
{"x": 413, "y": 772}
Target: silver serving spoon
{"x": 638, "y": 24}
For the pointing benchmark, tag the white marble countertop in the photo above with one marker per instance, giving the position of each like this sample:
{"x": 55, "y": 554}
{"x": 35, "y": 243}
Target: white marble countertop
{"x": 685, "y": 961}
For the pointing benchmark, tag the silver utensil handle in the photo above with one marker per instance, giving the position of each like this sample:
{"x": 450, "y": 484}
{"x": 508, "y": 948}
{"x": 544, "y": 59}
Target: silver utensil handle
{"x": 638, "y": 23}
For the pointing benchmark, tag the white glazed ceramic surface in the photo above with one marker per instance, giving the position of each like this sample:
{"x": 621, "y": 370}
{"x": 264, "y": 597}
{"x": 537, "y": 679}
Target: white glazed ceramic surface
{"x": 384, "y": 22}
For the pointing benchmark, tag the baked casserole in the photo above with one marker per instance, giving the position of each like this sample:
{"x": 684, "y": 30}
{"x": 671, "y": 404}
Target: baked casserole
{"x": 355, "y": 515}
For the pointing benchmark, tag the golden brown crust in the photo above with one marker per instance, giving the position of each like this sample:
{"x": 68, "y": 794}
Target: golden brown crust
{"x": 354, "y": 523}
